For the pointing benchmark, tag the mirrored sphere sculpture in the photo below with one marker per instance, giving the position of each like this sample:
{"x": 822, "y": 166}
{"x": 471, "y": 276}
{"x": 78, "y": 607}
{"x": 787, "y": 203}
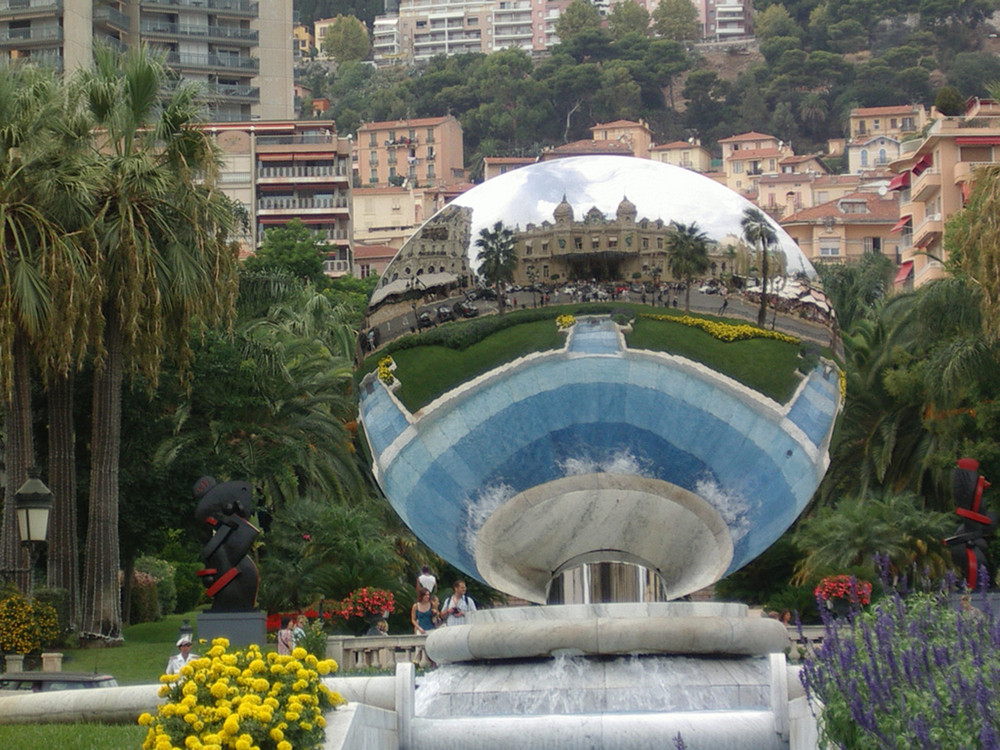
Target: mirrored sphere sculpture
{"x": 596, "y": 451}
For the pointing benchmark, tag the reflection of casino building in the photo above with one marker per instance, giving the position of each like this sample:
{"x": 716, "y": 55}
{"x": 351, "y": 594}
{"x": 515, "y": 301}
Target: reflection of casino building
{"x": 593, "y": 248}
{"x": 433, "y": 260}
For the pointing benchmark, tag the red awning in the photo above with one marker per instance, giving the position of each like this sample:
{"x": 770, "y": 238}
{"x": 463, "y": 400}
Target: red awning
{"x": 900, "y": 181}
{"x": 902, "y": 223}
{"x": 922, "y": 164}
{"x": 905, "y": 272}
{"x": 978, "y": 140}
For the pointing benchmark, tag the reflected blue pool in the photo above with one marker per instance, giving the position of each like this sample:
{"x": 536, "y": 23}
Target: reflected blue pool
{"x": 598, "y": 408}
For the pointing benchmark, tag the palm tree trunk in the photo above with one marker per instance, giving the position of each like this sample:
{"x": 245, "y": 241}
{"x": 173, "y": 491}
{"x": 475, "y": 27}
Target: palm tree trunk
{"x": 63, "y": 552}
{"x": 19, "y": 455}
{"x": 762, "y": 312}
{"x": 102, "y": 618}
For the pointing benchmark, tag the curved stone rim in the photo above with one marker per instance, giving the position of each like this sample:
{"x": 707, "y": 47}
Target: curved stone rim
{"x": 606, "y": 636}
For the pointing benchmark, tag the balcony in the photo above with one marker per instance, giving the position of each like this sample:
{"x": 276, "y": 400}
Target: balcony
{"x": 234, "y": 93}
{"x": 112, "y": 18}
{"x": 285, "y": 204}
{"x": 26, "y": 38}
{"x": 965, "y": 171}
{"x": 211, "y": 62}
{"x": 928, "y": 231}
{"x": 928, "y": 183}
{"x": 228, "y": 34}
{"x": 27, "y": 8}
{"x": 300, "y": 172}
{"x": 233, "y": 8}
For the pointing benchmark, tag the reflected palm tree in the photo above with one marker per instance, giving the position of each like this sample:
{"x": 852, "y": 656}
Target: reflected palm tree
{"x": 497, "y": 256}
{"x": 687, "y": 255}
{"x": 757, "y": 230}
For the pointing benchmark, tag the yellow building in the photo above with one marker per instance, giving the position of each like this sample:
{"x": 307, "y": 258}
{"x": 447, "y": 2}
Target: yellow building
{"x": 687, "y": 154}
{"x": 748, "y": 156}
{"x": 636, "y": 135}
{"x": 842, "y": 230}
{"x": 388, "y": 215}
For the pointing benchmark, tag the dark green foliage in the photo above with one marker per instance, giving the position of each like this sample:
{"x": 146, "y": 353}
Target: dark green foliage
{"x": 950, "y": 101}
{"x": 763, "y": 578}
{"x": 164, "y": 573}
{"x": 798, "y": 600}
{"x": 58, "y": 599}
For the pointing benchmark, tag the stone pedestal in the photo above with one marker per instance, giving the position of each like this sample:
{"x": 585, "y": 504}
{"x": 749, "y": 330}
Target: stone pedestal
{"x": 13, "y": 662}
{"x": 52, "y": 661}
{"x": 240, "y": 628}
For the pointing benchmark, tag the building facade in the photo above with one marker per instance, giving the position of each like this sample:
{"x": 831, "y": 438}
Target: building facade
{"x": 426, "y": 152}
{"x": 722, "y": 20}
{"x": 748, "y": 156}
{"x": 223, "y": 44}
{"x": 843, "y": 230}
{"x": 636, "y": 135}
{"x": 935, "y": 175}
{"x": 387, "y": 215}
{"x": 687, "y": 154}
{"x": 877, "y": 132}
{"x": 421, "y": 29}
{"x": 284, "y": 170}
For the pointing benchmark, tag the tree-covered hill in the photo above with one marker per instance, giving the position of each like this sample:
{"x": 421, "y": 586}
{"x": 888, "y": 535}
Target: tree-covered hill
{"x": 813, "y": 63}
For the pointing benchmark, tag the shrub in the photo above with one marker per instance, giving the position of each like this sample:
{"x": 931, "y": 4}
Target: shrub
{"x": 243, "y": 700}
{"x": 726, "y": 331}
{"x": 26, "y": 626}
{"x": 911, "y": 673}
{"x": 58, "y": 599}
{"x": 166, "y": 588}
{"x": 314, "y": 641}
{"x": 145, "y": 599}
{"x": 190, "y": 590}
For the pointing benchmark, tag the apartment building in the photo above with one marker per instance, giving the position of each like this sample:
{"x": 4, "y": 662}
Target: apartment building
{"x": 387, "y": 216}
{"x": 422, "y": 29}
{"x": 748, "y": 156}
{"x": 935, "y": 175}
{"x": 843, "y": 230}
{"x": 494, "y": 166}
{"x": 724, "y": 19}
{"x": 284, "y": 170}
{"x": 877, "y": 132}
{"x": 223, "y": 44}
{"x": 425, "y": 152}
{"x": 688, "y": 154}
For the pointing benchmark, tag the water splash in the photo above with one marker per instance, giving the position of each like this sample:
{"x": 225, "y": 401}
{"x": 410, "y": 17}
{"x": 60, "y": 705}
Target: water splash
{"x": 734, "y": 508}
{"x": 480, "y": 508}
{"x": 621, "y": 461}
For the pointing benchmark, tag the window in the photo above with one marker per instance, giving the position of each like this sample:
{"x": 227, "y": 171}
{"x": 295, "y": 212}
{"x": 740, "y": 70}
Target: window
{"x": 873, "y": 244}
{"x": 373, "y": 141}
{"x": 659, "y": 243}
{"x": 578, "y": 243}
{"x": 545, "y": 248}
{"x": 545, "y": 272}
{"x": 875, "y": 125}
{"x": 373, "y": 176}
{"x": 892, "y": 123}
{"x": 392, "y": 172}
{"x": 430, "y": 171}
{"x": 527, "y": 248}
{"x": 829, "y": 251}
{"x": 737, "y": 167}
{"x": 864, "y": 158}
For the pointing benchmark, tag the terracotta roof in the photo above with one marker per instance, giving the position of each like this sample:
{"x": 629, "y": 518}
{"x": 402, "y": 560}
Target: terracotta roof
{"x": 388, "y": 190}
{"x": 880, "y": 210}
{"x": 799, "y": 159}
{"x": 769, "y": 179}
{"x": 896, "y": 109}
{"x": 754, "y": 153}
{"x": 419, "y": 123}
{"x": 592, "y": 147}
{"x": 509, "y": 159}
{"x": 619, "y": 124}
{"x": 371, "y": 252}
{"x": 837, "y": 179}
{"x": 673, "y": 145}
{"x": 753, "y": 135}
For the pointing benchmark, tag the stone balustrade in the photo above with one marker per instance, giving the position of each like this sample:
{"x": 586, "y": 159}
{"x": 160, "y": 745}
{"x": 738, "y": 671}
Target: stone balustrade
{"x": 376, "y": 651}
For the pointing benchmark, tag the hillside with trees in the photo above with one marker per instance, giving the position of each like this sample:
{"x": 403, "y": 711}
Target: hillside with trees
{"x": 816, "y": 61}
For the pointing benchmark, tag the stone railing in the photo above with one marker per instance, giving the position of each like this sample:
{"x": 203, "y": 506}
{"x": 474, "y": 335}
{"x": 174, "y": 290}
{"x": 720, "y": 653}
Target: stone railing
{"x": 376, "y": 651}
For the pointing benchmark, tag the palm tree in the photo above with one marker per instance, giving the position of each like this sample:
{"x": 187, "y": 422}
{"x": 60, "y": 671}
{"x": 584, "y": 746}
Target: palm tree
{"x": 44, "y": 191}
{"x": 497, "y": 256}
{"x": 687, "y": 255}
{"x": 164, "y": 261}
{"x": 757, "y": 230}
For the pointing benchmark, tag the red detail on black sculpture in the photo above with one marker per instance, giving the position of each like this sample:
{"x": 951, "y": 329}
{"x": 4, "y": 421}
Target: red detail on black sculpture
{"x": 229, "y": 574}
{"x": 969, "y": 544}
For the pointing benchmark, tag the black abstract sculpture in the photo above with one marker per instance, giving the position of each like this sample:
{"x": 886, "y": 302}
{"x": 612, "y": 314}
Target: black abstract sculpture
{"x": 229, "y": 575}
{"x": 969, "y": 544}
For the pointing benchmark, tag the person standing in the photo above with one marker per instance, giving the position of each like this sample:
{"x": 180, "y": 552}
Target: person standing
{"x": 458, "y": 605}
{"x": 286, "y": 639}
{"x": 178, "y": 660}
{"x": 423, "y": 613}
{"x": 427, "y": 579}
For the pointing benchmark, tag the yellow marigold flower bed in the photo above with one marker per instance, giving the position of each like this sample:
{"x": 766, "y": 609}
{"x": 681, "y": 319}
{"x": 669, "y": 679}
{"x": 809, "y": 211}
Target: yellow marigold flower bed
{"x": 385, "y": 368}
{"x": 232, "y": 701}
{"x": 725, "y": 331}
{"x": 26, "y": 625}
{"x": 565, "y": 321}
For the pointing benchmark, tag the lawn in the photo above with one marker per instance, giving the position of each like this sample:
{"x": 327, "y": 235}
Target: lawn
{"x": 426, "y": 372}
{"x": 76, "y": 736}
{"x": 765, "y": 365}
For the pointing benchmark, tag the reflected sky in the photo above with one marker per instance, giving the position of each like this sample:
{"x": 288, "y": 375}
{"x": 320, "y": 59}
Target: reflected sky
{"x": 659, "y": 191}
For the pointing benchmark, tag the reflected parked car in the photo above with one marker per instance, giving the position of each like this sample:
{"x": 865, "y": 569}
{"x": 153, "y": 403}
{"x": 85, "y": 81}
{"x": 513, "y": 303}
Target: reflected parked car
{"x": 43, "y": 682}
{"x": 424, "y": 320}
{"x": 465, "y": 309}
{"x": 444, "y": 313}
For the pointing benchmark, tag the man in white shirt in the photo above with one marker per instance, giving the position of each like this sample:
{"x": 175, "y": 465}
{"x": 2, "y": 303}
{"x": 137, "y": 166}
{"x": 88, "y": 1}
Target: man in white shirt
{"x": 179, "y": 660}
{"x": 457, "y": 605}
{"x": 427, "y": 579}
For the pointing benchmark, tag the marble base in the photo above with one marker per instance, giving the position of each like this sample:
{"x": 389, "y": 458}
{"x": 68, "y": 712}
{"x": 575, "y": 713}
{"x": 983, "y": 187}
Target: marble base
{"x": 240, "y": 628}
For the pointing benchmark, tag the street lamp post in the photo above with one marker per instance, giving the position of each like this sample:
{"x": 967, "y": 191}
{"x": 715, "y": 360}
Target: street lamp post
{"x": 33, "y": 502}
{"x": 532, "y": 278}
